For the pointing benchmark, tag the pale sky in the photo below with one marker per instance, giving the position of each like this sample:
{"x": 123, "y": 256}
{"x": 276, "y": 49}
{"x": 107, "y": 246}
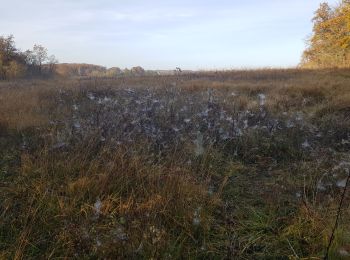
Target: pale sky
{"x": 164, "y": 34}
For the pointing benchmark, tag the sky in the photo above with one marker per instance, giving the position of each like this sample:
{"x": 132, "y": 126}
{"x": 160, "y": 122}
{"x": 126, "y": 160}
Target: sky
{"x": 164, "y": 34}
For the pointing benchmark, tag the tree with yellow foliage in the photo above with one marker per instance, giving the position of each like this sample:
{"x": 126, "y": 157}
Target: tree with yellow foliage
{"x": 329, "y": 45}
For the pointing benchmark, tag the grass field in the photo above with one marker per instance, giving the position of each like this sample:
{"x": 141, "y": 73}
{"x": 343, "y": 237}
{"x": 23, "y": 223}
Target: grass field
{"x": 211, "y": 165}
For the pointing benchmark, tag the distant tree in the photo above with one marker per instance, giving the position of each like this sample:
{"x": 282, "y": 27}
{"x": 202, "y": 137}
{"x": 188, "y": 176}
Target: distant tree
{"x": 51, "y": 62}
{"x": 29, "y": 57}
{"x": 113, "y": 72}
{"x": 38, "y": 61}
{"x": 40, "y": 56}
{"x": 138, "y": 71}
{"x": 126, "y": 72}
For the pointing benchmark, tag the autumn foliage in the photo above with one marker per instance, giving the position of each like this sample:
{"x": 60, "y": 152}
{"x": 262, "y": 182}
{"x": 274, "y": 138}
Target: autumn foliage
{"x": 17, "y": 64}
{"x": 329, "y": 44}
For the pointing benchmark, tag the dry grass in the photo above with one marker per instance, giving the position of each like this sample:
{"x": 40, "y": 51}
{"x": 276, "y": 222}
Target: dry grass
{"x": 235, "y": 164}
{"x": 110, "y": 204}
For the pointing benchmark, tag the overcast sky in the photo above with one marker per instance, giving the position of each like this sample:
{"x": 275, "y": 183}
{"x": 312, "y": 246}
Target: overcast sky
{"x": 164, "y": 34}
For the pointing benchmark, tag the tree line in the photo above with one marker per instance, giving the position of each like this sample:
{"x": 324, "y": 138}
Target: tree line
{"x": 15, "y": 63}
{"x": 36, "y": 62}
{"x": 90, "y": 70}
{"x": 329, "y": 44}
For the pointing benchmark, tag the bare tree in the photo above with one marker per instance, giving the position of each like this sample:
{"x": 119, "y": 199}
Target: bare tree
{"x": 51, "y": 61}
{"x": 39, "y": 62}
{"x": 39, "y": 56}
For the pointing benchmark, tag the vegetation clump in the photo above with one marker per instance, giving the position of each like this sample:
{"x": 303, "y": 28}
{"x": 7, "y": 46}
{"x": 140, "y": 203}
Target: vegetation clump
{"x": 17, "y": 64}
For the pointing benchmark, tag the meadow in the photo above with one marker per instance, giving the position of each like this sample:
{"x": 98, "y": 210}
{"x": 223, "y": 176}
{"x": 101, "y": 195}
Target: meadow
{"x": 208, "y": 165}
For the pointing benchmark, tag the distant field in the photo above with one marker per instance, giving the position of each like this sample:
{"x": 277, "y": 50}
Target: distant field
{"x": 235, "y": 164}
